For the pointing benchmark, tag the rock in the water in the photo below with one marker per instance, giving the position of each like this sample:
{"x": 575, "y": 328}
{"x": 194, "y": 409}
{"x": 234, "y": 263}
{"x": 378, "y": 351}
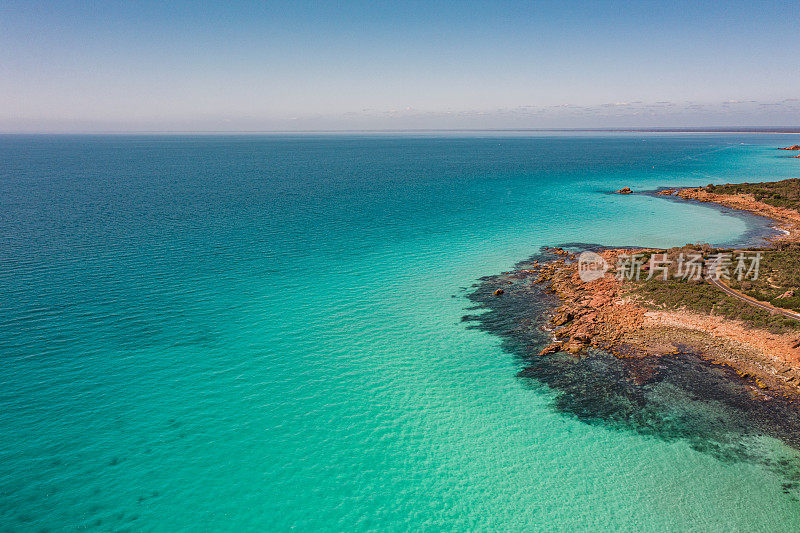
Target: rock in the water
{"x": 624, "y": 190}
{"x": 793, "y": 147}
{"x": 575, "y": 345}
{"x": 498, "y": 292}
{"x": 551, "y": 348}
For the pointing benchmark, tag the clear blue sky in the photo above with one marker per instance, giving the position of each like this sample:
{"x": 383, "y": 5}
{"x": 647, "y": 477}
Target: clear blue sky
{"x": 133, "y": 66}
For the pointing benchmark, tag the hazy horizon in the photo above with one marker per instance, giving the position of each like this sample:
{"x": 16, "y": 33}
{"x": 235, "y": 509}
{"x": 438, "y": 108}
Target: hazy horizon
{"x": 779, "y": 130}
{"x": 282, "y": 67}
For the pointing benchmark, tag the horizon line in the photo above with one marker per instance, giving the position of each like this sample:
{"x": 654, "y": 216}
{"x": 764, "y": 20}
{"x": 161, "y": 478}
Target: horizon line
{"x": 708, "y": 129}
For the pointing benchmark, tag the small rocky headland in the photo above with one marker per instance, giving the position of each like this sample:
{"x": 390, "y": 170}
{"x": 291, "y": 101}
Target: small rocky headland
{"x": 793, "y": 147}
{"x": 715, "y": 365}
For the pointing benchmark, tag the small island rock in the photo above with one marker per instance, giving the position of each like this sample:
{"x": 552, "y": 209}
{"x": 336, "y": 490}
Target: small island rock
{"x": 624, "y": 190}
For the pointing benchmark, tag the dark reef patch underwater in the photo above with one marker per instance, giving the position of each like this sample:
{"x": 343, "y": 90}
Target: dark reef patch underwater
{"x": 678, "y": 397}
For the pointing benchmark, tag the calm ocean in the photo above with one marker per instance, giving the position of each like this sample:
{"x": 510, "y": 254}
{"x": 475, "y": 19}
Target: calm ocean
{"x": 264, "y": 333}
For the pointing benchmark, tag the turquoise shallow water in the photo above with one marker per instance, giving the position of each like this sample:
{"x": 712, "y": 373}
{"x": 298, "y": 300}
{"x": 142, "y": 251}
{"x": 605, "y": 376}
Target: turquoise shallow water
{"x": 264, "y": 332}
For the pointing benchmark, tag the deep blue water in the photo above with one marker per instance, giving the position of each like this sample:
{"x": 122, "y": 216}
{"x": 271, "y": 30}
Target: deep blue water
{"x": 263, "y": 332}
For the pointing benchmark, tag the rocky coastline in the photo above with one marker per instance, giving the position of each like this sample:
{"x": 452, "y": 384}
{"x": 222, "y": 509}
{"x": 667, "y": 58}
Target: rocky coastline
{"x": 616, "y": 366}
{"x": 608, "y": 314}
{"x": 609, "y": 322}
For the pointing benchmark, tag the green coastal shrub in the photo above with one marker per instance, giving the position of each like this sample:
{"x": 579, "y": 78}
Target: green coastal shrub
{"x": 707, "y": 299}
{"x": 784, "y": 193}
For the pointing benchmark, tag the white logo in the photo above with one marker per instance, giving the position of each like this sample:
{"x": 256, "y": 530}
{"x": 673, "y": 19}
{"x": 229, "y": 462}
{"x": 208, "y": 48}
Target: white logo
{"x": 591, "y": 266}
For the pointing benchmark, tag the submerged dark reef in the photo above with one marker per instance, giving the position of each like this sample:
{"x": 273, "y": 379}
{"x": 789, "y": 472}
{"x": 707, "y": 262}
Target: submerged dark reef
{"x": 682, "y": 396}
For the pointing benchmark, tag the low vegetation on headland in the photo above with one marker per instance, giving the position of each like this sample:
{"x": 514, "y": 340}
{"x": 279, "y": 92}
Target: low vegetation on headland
{"x": 703, "y": 297}
{"x": 750, "y": 322}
